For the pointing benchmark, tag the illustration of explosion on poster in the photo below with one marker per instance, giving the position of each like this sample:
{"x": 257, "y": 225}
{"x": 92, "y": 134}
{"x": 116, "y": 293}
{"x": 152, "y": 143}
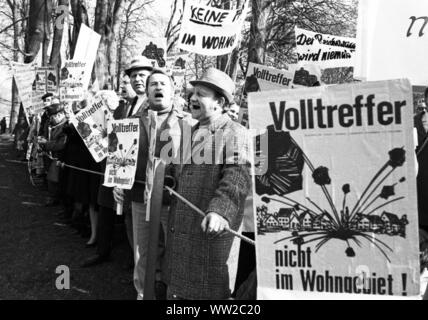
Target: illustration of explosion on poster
{"x": 335, "y": 205}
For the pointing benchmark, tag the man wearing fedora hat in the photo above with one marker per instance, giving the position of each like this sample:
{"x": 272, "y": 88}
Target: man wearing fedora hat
{"x": 201, "y": 258}
{"x": 137, "y": 71}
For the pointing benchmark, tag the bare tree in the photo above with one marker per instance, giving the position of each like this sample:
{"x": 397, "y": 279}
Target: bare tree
{"x": 18, "y": 14}
{"x": 38, "y": 30}
{"x": 108, "y": 15}
{"x": 131, "y": 24}
{"x": 260, "y": 10}
{"x": 58, "y": 33}
{"x": 271, "y": 38}
{"x": 174, "y": 23}
{"x": 80, "y": 15}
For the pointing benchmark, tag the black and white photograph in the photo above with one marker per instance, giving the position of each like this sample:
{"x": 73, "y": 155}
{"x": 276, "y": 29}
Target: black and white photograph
{"x": 233, "y": 151}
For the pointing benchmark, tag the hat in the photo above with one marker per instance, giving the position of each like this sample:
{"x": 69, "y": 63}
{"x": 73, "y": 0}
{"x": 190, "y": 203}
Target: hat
{"x": 55, "y": 108}
{"x": 47, "y": 95}
{"x": 139, "y": 62}
{"x": 218, "y": 81}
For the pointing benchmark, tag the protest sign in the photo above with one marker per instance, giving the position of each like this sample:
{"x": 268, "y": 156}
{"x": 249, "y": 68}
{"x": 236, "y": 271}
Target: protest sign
{"x": 267, "y": 78}
{"x": 392, "y": 38}
{"x": 46, "y": 79}
{"x": 155, "y": 50}
{"x": 37, "y": 102}
{"x": 210, "y": 31}
{"x": 176, "y": 61}
{"x": 86, "y": 51}
{"x": 176, "y": 66}
{"x": 123, "y": 137}
{"x": 325, "y": 50}
{"x": 24, "y": 74}
{"x": 151, "y": 161}
{"x": 72, "y": 75}
{"x": 336, "y": 206}
{"x": 263, "y": 78}
{"x": 91, "y": 124}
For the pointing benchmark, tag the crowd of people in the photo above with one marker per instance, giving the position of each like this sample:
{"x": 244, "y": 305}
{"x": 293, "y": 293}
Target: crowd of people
{"x": 197, "y": 258}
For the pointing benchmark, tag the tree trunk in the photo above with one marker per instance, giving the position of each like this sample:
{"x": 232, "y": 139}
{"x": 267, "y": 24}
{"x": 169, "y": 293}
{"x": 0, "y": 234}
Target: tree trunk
{"x": 221, "y": 62}
{"x": 256, "y": 45}
{"x": 122, "y": 38}
{"x": 233, "y": 64}
{"x": 107, "y": 24}
{"x": 47, "y": 20}
{"x": 80, "y": 15}
{"x": 37, "y": 32}
{"x": 15, "y": 106}
{"x": 55, "y": 59}
{"x": 119, "y": 65}
{"x": 16, "y": 32}
{"x": 172, "y": 30}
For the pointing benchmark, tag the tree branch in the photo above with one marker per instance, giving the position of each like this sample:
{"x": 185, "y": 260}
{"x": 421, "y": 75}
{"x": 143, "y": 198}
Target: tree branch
{"x": 12, "y": 24}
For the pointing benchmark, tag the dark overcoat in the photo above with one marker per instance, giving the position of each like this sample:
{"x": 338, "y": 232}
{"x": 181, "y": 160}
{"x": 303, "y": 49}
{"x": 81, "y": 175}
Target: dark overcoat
{"x": 422, "y": 177}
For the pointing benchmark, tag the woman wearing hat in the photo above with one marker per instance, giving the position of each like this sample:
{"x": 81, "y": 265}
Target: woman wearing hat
{"x": 201, "y": 258}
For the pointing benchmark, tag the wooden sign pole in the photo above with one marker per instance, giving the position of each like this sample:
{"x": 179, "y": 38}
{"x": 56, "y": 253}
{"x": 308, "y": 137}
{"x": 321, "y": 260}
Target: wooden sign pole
{"x": 155, "y": 207}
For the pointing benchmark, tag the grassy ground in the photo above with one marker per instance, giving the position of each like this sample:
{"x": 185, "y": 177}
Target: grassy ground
{"x": 33, "y": 244}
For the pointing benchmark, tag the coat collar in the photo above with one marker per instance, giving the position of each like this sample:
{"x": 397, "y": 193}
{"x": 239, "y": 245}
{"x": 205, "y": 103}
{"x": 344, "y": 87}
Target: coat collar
{"x": 189, "y": 150}
{"x": 220, "y": 122}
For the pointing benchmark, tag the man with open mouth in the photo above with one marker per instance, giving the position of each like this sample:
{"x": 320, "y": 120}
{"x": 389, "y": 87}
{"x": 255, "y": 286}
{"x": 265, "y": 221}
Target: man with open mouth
{"x": 201, "y": 257}
{"x": 160, "y": 98}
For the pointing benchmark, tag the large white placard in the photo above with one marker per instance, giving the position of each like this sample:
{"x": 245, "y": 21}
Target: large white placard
{"x": 392, "y": 40}
{"x": 25, "y": 76}
{"x": 123, "y": 137}
{"x": 210, "y": 31}
{"x": 336, "y": 203}
{"x": 86, "y": 50}
{"x": 91, "y": 124}
{"x": 324, "y": 50}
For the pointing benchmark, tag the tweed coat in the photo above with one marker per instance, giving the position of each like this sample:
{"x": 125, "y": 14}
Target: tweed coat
{"x": 201, "y": 266}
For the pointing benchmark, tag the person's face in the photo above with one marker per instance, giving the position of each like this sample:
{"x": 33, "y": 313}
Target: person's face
{"x": 203, "y": 103}
{"x": 159, "y": 91}
{"x": 138, "y": 80}
{"x": 47, "y": 102}
{"x": 424, "y": 120}
{"x": 57, "y": 118}
{"x": 233, "y": 112}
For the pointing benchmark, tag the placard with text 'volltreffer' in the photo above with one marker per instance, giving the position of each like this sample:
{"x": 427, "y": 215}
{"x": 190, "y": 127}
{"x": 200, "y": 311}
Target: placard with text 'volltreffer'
{"x": 335, "y": 202}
